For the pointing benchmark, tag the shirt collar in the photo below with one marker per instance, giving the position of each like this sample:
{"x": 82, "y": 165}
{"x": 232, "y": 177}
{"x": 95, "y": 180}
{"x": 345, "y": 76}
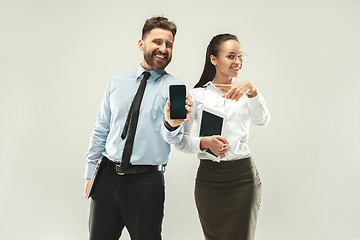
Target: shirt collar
{"x": 155, "y": 74}
{"x": 209, "y": 85}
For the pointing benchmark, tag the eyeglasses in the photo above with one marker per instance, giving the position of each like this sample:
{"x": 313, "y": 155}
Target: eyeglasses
{"x": 232, "y": 58}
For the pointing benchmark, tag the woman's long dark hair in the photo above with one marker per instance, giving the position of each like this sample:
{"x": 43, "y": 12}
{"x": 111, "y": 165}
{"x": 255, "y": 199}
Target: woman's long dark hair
{"x": 213, "y": 49}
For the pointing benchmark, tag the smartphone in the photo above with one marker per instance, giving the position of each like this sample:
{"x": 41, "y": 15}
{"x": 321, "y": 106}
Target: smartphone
{"x": 177, "y": 100}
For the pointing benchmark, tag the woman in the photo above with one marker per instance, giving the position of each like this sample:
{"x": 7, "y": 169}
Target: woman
{"x": 227, "y": 188}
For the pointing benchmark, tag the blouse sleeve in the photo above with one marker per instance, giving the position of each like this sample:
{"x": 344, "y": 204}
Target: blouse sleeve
{"x": 259, "y": 113}
{"x": 189, "y": 144}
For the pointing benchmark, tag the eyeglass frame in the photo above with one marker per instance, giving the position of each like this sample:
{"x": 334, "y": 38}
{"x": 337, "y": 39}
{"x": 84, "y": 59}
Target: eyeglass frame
{"x": 242, "y": 57}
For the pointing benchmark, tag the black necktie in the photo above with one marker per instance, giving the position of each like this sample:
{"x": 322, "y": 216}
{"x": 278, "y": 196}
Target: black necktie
{"x": 131, "y": 123}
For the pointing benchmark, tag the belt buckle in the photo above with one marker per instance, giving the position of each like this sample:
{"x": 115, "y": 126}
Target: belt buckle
{"x": 118, "y": 170}
{"x": 161, "y": 168}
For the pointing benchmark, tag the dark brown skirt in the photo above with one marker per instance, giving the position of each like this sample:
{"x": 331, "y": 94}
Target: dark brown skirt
{"x": 228, "y": 196}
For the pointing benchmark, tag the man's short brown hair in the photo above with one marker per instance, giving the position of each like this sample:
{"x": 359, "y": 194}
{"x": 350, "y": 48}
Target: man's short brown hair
{"x": 158, "y": 22}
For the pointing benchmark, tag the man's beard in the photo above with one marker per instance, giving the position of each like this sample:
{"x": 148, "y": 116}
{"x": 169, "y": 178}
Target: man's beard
{"x": 151, "y": 61}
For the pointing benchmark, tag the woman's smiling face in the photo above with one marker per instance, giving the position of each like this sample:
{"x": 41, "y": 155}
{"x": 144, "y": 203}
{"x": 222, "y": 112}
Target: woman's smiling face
{"x": 228, "y": 61}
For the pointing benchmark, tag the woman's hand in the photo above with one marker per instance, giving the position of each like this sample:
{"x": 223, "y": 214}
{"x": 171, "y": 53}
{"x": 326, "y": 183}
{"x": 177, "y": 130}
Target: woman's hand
{"x": 178, "y": 122}
{"x": 216, "y": 143}
{"x": 234, "y": 91}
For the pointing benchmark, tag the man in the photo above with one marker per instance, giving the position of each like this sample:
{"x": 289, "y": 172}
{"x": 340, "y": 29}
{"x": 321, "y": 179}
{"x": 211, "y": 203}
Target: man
{"x": 128, "y": 138}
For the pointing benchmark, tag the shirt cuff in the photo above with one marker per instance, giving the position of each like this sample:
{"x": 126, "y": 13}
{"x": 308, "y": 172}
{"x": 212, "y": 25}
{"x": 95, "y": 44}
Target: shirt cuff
{"x": 169, "y": 127}
{"x": 172, "y": 137}
{"x": 89, "y": 170}
{"x": 257, "y": 100}
{"x": 195, "y": 143}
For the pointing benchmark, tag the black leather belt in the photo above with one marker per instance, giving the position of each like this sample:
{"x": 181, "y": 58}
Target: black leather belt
{"x": 133, "y": 169}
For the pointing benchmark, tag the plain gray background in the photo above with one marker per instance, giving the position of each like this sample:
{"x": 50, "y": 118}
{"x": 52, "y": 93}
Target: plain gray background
{"x": 57, "y": 56}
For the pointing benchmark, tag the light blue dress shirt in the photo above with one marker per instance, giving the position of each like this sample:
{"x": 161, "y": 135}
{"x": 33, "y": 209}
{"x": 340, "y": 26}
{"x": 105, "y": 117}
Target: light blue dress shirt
{"x": 149, "y": 148}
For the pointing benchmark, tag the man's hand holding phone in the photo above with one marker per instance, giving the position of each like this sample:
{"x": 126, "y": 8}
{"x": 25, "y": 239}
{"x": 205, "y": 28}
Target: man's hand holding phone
{"x": 175, "y": 115}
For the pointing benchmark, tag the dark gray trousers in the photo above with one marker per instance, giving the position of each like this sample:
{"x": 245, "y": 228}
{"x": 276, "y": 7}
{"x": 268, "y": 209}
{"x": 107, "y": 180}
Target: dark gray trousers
{"x": 134, "y": 201}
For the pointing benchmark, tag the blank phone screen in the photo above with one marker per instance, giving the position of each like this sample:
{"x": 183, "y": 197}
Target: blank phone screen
{"x": 177, "y": 101}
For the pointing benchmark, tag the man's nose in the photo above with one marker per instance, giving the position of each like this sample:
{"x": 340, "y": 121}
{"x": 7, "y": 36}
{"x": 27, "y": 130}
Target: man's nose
{"x": 162, "y": 48}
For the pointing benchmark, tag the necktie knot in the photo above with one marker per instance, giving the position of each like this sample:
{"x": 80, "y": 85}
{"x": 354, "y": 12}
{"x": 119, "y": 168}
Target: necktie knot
{"x": 146, "y": 75}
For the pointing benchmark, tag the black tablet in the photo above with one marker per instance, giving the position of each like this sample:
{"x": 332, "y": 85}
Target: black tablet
{"x": 212, "y": 122}
{"x": 97, "y": 171}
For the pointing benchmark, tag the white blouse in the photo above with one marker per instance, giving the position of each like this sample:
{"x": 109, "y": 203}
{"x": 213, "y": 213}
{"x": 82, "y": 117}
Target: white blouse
{"x": 239, "y": 114}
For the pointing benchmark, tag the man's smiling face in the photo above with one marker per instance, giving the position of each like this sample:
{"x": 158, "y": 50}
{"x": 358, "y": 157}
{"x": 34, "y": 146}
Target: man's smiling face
{"x": 157, "y": 48}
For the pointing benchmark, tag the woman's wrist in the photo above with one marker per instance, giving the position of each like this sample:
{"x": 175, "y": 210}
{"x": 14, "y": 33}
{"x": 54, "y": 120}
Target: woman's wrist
{"x": 203, "y": 143}
{"x": 252, "y": 92}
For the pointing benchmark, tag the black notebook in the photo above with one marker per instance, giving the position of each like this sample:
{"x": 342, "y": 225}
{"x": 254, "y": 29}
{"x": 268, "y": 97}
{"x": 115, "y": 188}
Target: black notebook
{"x": 97, "y": 171}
